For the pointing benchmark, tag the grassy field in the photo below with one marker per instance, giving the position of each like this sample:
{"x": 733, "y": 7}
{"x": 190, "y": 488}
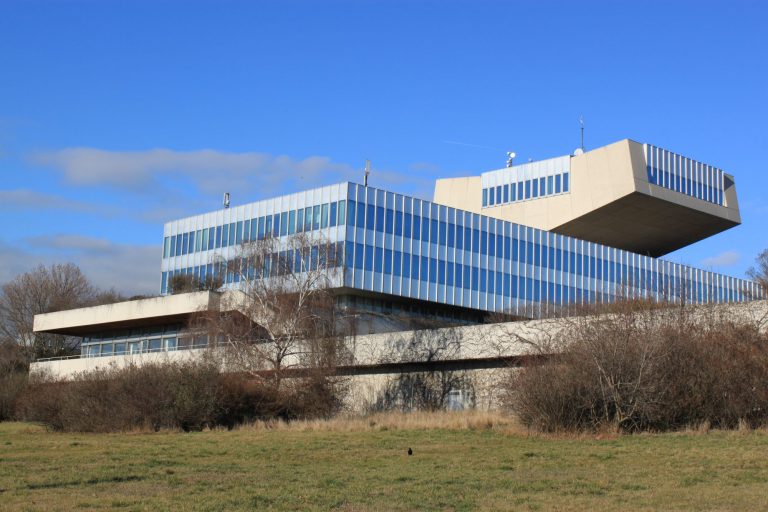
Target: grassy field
{"x": 364, "y": 466}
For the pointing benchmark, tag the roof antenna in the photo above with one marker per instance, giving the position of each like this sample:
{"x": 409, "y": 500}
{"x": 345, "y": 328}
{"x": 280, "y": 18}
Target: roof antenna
{"x": 580, "y": 150}
{"x": 367, "y": 171}
{"x": 510, "y": 158}
{"x": 226, "y": 199}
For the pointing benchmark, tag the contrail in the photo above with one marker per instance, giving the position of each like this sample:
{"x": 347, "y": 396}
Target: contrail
{"x": 469, "y": 145}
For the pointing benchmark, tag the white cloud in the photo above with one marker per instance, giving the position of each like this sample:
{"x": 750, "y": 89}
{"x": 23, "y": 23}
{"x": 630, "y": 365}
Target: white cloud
{"x": 210, "y": 171}
{"x": 29, "y": 199}
{"x": 130, "y": 269}
{"x": 724, "y": 259}
{"x": 71, "y": 242}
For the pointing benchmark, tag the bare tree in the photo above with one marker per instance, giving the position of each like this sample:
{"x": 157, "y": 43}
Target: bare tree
{"x": 45, "y": 290}
{"x": 431, "y": 388}
{"x": 281, "y": 316}
{"x": 186, "y": 283}
{"x": 759, "y": 272}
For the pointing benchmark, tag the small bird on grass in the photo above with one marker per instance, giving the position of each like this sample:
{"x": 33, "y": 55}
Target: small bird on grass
{"x": 410, "y": 452}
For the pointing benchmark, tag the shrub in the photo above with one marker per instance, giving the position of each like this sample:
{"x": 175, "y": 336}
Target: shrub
{"x": 644, "y": 366}
{"x": 186, "y": 396}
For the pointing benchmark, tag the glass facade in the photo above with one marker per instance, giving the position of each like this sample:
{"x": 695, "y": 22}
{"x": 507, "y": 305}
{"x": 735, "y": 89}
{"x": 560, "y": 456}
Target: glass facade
{"x": 525, "y": 182}
{"x": 411, "y": 248}
{"x": 145, "y": 340}
{"x": 526, "y": 189}
{"x": 683, "y": 175}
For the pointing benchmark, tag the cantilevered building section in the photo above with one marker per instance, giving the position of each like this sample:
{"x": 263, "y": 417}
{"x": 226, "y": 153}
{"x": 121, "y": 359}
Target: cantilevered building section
{"x": 626, "y": 195}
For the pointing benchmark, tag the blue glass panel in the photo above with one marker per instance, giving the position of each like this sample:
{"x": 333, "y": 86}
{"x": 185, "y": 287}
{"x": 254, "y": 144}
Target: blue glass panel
{"x": 565, "y": 182}
{"x": 342, "y": 212}
{"x": 492, "y": 245}
{"x": 406, "y": 265}
{"x": 378, "y": 259}
{"x": 506, "y": 193}
{"x": 239, "y": 232}
{"x": 417, "y": 227}
{"x": 527, "y": 189}
{"x": 350, "y": 213}
{"x": 370, "y": 217}
{"x": 368, "y": 257}
{"x": 380, "y": 219}
{"x": 407, "y": 222}
{"x": 424, "y": 268}
{"x": 397, "y": 263}
{"x": 558, "y": 178}
{"x": 359, "y": 255}
{"x": 360, "y": 222}
{"x": 399, "y": 223}
{"x": 332, "y": 214}
{"x": 414, "y": 266}
{"x": 441, "y": 238}
{"x": 390, "y": 221}
{"x": 433, "y": 234}
{"x": 387, "y": 261}
{"x": 485, "y": 197}
{"x": 283, "y": 223}
{"x": 260, "y": 233}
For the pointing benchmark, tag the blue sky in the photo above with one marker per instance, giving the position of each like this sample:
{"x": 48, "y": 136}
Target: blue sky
{"x": 118, "y": 116}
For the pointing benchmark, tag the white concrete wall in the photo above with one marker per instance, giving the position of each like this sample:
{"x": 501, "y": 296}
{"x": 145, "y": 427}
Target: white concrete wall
{"x": 169, "y": 305}
{"x": 487, "y": 341}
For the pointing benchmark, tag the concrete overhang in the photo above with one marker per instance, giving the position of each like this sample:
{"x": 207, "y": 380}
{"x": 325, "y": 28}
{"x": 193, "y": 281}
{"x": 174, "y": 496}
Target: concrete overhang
{"x": 611, "y": 201}
{"x": 122, "y": 315}
{"x": 648, "y": 225}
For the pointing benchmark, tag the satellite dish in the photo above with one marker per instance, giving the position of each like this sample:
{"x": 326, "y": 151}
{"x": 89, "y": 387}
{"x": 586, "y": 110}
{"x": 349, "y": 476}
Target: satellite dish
{"x": 578, "y": 151}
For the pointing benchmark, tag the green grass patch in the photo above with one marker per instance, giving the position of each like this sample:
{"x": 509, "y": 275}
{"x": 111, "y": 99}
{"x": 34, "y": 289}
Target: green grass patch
{"x": 451, "y": 469}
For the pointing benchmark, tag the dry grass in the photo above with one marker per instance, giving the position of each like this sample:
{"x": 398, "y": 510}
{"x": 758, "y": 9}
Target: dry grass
{"x": 461, "y": 461}
{"x": 443, "y": 420}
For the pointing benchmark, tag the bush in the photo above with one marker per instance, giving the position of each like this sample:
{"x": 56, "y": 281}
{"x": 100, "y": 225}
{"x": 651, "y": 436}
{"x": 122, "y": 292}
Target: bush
{"x": 13, "y": 377}
{"x": 187, "y": 396}
{"x": 643, "y": 366}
